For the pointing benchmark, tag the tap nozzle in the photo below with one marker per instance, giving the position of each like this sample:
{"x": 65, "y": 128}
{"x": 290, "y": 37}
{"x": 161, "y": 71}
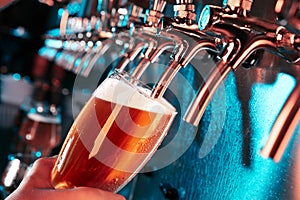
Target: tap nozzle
{"x": 187, "y": 53}
{"x": 152, "y": 54}
{"x": 284, "y": 127}
{"x": 205, "y": 93}
{"x": 140, "y": 44}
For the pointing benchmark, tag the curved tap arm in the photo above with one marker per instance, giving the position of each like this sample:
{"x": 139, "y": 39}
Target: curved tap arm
{"x": 141, "y": 42}
{"x": 207, "y": 90}
{"x": 164, "y": 44}
{"x": 181, "y": 32}
{"x": 101, "y": 49}
{"x": 226, "y": 22}
{"x": 133, "y": 45}
{"x": 255, "y": 34}
{"x": 253, "y": 44}
{"x": 175, "y": 65}
{"x": 166, "y": 40}
{"x": 123, "y": 40}
{"x": 193, "y": 41}
{"x": 284, "y": 127}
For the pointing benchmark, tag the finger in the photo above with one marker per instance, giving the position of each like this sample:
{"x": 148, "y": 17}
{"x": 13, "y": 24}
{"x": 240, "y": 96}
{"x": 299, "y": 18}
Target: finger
{"x": 39, "y": 175}
{"x": 43, "y": 163}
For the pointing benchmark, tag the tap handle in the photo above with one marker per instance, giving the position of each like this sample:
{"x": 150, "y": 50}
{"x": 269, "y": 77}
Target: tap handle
{"x": 284, "y": 127}
{"x": 288, "y": 44}
{"x": 155, "y": 13}
{"x": 243, "y": 4}
{"x": 158, "y": 5}
{"x": 206, "y": 92}
{"x": 184, "y": 11}
{"x": 184, "y": 1}
{"x": 288, "y": 12}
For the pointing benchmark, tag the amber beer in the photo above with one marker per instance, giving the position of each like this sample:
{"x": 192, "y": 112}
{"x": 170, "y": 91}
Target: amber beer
{"x": 113, "y": 137}
{"x": 41, "y": 132}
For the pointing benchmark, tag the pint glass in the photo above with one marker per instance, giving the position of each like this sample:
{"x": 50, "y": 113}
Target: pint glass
{"x": 113, "y": 137}
{"x": 41, "y": 130}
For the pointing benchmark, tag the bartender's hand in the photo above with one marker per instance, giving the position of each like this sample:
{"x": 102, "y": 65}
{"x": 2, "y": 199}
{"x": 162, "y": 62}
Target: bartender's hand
{"x": 36, "y": 185}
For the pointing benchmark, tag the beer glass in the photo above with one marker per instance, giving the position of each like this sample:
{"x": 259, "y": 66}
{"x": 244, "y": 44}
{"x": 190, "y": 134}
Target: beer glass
{"x": 41, "y": 129}
{"x": 114, "y": 135}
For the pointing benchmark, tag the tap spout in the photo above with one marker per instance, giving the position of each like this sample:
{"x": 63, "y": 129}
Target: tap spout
{"x": 93, "y": 56}
{"x": 236, "y": 53}
{"x": 205, "y": 43}
{"x": 284, "y": 127}
{"x": 165, "y": 41}
{"x": 208, "y": 88}
{"x": 262, "y": 35}
{"x": 141, "y": 43}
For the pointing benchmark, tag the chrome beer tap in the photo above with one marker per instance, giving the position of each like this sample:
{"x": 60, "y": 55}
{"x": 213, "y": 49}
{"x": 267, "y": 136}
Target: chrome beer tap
{"x": 250, "y": 34}
{"x": 130, "y": 41}
{"x": 108, "y": 26}
{"x": 145, "y": 37}
{"x": 289, "y": 117}
{"x": 93, "y": 35}
{"x": 284, "y": 126}
{"x": 288, "y": 13}
{"x": 166, "y": 40}
{"x": 142, "y": 40}
{"x": 184, "y": 25}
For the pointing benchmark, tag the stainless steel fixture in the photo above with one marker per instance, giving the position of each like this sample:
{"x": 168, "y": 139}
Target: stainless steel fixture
{"x": 231, "y": 69}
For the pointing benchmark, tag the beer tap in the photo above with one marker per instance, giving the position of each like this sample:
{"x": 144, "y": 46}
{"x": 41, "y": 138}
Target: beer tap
{"x": 288, "y": 118}
{"x": 123, "y": 42}
{"x": 130, "y": 41}
{"x": 166, "y": 40}
{"x": 142, "y": 37}
{"x": 107, "y": 27}
{"x": 87, "y": 35}
{"x": 288, "y": 13}
{"x": 136, "y": 28}
{"x": 184, "y": 24}
{"x": 250, "y": 34}
{"x": 284, "y": 127}
{"x": 160, "y": 42}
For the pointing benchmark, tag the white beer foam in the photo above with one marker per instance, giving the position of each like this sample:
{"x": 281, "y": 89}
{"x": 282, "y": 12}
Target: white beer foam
{"x": 117, "y": 91}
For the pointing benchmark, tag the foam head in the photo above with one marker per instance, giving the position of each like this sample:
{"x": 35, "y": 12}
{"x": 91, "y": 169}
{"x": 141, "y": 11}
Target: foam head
{"x": 124, "y": 93}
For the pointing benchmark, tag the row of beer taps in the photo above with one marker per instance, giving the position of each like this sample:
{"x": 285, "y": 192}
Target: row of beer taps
{"x": 229, "y": 33}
